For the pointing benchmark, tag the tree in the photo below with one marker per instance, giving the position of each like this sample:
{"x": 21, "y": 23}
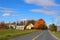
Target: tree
{"x": 14, "y": 23}
{"x": 40, "y": 24}
{"x": 30, "y": 21}
{"x": 3, "y": 25}
{"x": 52, "y": 27}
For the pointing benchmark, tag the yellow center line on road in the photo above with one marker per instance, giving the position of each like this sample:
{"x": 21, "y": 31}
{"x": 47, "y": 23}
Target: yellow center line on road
{"x": 36, "y": 36}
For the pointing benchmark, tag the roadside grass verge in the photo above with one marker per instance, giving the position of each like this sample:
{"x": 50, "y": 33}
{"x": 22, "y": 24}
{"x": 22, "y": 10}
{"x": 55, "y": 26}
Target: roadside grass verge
{"x": 57, "y": 34}
{"x": 11, "y": 33}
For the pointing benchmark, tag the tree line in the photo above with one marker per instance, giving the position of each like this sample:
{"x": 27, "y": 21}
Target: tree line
{"x": 39, "y": 24}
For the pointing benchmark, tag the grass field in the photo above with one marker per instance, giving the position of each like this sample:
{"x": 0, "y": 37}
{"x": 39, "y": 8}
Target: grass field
{"x": 10, "y": 33}
{"x": 57, "y": 34}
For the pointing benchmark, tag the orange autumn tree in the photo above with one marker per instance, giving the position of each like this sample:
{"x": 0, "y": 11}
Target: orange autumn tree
{"x": 40, "y": 24}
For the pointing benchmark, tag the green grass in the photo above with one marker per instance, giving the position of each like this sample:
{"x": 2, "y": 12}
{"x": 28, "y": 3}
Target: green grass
{"x": 57, "y": 34}
{"x": 10, "y": 33}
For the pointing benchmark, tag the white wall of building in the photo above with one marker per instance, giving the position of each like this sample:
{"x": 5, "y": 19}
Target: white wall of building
{"x": 20, "y": 27}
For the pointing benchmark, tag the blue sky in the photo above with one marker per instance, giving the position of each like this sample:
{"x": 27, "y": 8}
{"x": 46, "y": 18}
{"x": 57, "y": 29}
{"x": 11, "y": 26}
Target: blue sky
{"x": 14, "y": 10}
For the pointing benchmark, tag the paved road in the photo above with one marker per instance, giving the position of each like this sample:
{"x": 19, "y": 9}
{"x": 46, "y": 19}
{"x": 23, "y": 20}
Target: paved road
{"x": 43, "y": 35}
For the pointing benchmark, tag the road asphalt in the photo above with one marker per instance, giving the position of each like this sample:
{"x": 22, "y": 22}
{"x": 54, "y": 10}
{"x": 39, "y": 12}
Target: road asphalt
{"x": 42, "y": 35}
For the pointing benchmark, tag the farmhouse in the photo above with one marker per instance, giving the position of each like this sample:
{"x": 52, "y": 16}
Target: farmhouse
{"x": 18, "y": 25}
{"x": 30, "y": 26}
{"x": 12, "y": 26}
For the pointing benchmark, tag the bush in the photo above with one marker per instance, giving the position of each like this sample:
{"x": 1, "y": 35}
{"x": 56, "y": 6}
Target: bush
{"x": 52, "y": 27}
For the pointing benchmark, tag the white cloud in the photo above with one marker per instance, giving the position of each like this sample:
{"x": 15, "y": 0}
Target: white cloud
{"x": 7, "y": 11}
{"x": 2, "y": 9}
{"x": 7, "y": 8}
{"x": 57, "y": 18}
{"x": 14, "y": 15}
{"x": 42, "y": 2}
{"x": 6, "y": 14}
{"x": 49, "y": 12}
{"x": 9, "y": 14}
{"x": 23, "y": 19}
{"x": 45, "y": 4}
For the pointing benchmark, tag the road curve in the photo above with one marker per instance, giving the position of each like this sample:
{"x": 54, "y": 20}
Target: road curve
{"x": 43, "y": 35}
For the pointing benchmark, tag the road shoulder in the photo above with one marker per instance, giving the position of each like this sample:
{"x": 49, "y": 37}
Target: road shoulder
{"x": 53, "y": 35}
